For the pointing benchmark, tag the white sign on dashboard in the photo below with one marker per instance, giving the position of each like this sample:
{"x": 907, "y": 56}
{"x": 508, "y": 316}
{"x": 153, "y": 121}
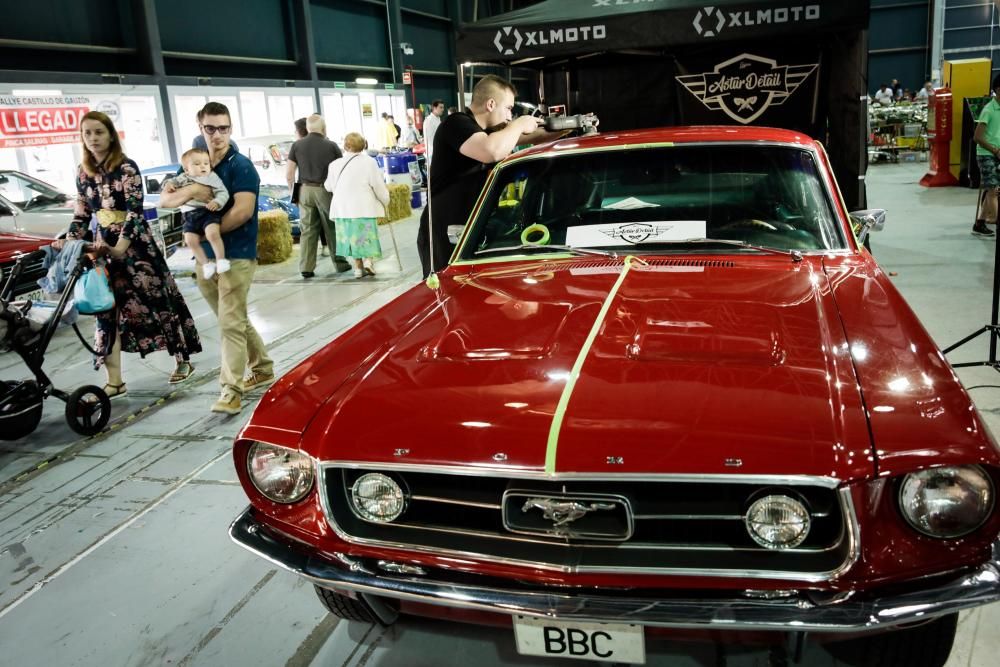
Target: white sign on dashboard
{"x": 634, "y": 233}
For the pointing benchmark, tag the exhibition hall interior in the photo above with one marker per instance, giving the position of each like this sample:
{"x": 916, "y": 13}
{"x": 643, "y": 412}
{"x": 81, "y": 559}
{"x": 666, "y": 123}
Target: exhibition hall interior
{"x": 437, "y": 333}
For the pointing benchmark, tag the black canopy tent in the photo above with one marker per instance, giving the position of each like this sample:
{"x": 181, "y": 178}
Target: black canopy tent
{"x": 644, "y": 63}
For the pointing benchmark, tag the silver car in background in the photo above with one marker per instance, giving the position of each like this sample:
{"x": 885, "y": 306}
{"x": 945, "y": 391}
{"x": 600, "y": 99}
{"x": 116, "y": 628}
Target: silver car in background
{"x": 31, "y": 206}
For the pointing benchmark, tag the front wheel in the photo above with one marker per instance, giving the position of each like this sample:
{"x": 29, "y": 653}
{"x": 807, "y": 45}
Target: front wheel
{"x": 88, "y": 410}
{"x": 351, "y": 609}
{"x": 925, "y": 645}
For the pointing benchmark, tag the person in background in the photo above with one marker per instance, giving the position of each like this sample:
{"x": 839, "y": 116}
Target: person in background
{"x": 150, "y": 313}
{"x": 389, "y": 133}
{"x": 452, "y": 110}
{"x": 301, "y": 132}
{"x": 431, "y": 124}
{"x": 884, "y": 95}
{"x": 359, "y": 197}
{"x": 897, "y": 90}
{"x": 311, "y": 157}
{"x": 926, "y": 94}
{"x": 411, "y": 137}
{"x": 395, "y": 126}
{"x": 987, "y": 138}
{"x": 226, "y": 294}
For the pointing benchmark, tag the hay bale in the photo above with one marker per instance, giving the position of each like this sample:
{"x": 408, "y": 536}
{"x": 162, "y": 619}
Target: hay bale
{"x": 274, "y": 237}
{"x": 399, "y": 202}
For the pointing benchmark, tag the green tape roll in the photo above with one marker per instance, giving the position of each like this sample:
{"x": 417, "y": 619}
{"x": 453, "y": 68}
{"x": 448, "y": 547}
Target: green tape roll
{"x": 532, "y": 230}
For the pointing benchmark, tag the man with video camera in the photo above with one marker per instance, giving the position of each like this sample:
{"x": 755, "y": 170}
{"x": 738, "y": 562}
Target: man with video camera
{"x": 466, "y": 146}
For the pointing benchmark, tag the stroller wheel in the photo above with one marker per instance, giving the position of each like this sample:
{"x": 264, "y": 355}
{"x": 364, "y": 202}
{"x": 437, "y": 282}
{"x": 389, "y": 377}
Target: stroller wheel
{"x": 88, "y": 410}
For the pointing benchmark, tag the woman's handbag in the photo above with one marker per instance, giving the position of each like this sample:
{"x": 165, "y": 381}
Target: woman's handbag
{"x": 92, "y": 292}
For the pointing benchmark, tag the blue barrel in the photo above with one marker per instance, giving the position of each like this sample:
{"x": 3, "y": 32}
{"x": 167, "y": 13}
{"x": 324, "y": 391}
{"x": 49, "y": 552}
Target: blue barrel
{"x": 398, "y": 163}
{"x": 400, "y": 168}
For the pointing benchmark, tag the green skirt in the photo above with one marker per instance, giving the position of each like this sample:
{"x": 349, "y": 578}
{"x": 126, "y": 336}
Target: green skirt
{"x": 358, "y": 238}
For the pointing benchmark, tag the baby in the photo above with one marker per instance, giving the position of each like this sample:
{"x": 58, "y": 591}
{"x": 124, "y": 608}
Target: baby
{"x": 203, "y": 220}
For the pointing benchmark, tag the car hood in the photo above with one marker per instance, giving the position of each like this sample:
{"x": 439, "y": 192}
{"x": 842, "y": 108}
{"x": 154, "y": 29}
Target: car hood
{"x": 49, "y": 221}
{"x": 12, "y": 245}
{"x": 696, "y": 367}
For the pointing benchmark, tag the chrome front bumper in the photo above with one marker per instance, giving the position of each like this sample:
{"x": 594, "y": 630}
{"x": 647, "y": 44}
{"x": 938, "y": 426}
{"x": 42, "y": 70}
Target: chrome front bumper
{"x": 796, "y": 613}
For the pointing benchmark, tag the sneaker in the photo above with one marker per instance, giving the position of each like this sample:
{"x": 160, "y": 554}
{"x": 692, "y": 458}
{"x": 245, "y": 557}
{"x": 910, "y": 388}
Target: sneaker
{"x": 980, "y": 229}
{"x": 358, "y": 273}
{"x": 208, "y": 270}
{"x": 257, "y": 380}
{"x": 228, "y": 403}
{"x": 222, "y": 265}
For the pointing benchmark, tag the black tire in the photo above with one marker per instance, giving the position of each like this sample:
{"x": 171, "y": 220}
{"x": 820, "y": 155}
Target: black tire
{"x": 925, "y": 645}
{"x": 347, "y": 608}
{"x": 88, "y": 410}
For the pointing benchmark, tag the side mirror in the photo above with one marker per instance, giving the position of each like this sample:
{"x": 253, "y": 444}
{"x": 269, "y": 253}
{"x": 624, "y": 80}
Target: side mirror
{"x": 867, "y": 220}
{"x": 455, "y": 233}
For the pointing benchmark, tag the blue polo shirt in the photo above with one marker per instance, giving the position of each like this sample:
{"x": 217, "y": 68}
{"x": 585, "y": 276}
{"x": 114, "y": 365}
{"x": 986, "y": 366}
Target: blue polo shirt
{"x": 238, "y": 175}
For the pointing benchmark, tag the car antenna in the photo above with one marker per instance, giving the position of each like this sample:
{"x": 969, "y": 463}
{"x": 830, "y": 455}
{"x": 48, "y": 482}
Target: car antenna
{"x": 432, "y": 281}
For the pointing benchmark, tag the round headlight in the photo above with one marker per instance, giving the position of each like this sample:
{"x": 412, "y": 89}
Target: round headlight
{"x": 946, "y": 502}
{"x": 778, "y": 522}
{"x": 377, "y": 497}
{"x": 282, "y": 475}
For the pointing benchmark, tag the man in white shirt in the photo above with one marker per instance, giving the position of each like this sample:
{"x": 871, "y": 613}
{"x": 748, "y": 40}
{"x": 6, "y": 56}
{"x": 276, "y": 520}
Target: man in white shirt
{"x": 926, "y": 93}
{"x": 884, "y": 96}
{"x": 430, "y": 127}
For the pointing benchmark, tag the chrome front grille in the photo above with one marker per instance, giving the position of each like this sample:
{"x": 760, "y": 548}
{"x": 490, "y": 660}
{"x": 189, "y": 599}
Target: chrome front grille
{"x": 28, "y": 280}
{"x": 679, "y": 525}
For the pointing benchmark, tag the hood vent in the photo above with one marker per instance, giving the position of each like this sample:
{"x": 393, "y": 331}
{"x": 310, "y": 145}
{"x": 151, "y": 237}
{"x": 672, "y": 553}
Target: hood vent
{"x": 596, "y": 265}
{"x": 713, "y": 263}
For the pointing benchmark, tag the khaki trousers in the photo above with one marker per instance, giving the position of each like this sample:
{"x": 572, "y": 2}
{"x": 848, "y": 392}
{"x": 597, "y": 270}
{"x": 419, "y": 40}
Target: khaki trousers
{"x": 242, "y": 346}
{"x": 314, "y": 209}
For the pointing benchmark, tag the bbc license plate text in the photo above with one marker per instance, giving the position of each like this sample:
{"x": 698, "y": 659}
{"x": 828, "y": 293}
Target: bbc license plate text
{"x": 607, "y": 642}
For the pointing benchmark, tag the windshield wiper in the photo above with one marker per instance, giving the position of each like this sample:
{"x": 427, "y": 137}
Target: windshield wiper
{"x": 794, "y": 254}
{"x": 560, "y": 248}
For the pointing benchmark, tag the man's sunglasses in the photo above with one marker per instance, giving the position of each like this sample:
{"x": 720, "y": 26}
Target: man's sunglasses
{"x": 221, "y": 129}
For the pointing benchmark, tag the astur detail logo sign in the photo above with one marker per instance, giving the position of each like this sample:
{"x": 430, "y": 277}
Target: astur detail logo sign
{"x": 744, "y": 87}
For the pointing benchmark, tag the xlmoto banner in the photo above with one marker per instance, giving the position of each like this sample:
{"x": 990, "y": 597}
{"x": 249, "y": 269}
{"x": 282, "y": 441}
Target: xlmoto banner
{"x": 37, "y": 121}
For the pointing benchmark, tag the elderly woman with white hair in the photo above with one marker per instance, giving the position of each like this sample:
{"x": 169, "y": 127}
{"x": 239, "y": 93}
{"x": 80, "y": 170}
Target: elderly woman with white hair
{"x": 360, "y": 197}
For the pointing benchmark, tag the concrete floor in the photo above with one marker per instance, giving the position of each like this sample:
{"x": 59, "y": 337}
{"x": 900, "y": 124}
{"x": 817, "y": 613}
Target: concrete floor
{"x": 113, "y": 550}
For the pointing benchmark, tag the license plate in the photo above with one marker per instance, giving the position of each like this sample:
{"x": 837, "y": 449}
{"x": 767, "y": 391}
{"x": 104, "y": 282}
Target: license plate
{"x": 604, "y": 642}
{"x": 37, "y": 295}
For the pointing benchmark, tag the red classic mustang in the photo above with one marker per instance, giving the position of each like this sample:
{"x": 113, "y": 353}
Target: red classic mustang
{"x": 660, "y": 385}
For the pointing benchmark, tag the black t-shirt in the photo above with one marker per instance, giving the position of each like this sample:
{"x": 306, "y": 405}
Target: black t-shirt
{"x": 313, "y": 154}
{"x": 456, "y": 179}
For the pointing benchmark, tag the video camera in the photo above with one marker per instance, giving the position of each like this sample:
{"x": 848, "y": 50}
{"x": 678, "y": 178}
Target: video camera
{"x": 559, "y": 122}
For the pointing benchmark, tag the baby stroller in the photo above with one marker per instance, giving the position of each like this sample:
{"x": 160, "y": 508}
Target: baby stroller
{"x": 88, "y": 408}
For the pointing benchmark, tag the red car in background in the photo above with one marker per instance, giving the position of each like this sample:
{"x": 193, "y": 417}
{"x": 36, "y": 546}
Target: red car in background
{"x": 12, "y": 246}
{"x": 660, "y": 385}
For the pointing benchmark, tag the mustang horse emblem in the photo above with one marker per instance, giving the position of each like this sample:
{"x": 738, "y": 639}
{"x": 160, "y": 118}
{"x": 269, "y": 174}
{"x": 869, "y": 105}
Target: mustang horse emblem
{"x": 561, "y": 512}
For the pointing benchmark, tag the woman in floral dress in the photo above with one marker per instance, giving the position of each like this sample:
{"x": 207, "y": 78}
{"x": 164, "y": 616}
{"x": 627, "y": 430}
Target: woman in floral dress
{"x": 150, "y": 313}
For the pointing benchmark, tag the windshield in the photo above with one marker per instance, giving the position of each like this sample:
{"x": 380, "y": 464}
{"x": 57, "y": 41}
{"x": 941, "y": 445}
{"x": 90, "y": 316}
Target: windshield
{"x": 651, "y": 199}
{"x": 28, "y": 193}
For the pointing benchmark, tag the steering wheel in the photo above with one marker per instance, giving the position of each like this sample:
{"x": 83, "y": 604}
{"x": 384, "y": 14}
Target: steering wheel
{"x": 749, "y": 223}
{"x": 34, "y": 200}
